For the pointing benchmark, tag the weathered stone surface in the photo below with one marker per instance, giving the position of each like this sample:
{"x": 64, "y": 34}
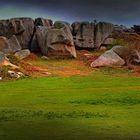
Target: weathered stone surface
{"x": 23, "y": 28}
{"x": 103, "y": 30}
{"x": 55, "y": 42}
{"x": 83, "y": 34}
{"x": 26, "y": 37}
{"x": 22, "y": 54}
{"x": 4, "y": 45}
{"x": 109, "y": 59}
{"x": 4, "y": 29}
{"x": 43, "y": 22}
{"x": 16, "y": 26}
{"x": 11, "y": 27}
{"x": 14, "y": 44}
{"x": 91, "y": 35}
{"x": 10, "y": 45}
{"x": 130, "y": 55}
{"x": 108, "y": 41}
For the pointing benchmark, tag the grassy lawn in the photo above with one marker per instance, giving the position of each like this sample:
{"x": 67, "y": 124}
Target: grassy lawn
{"x": 95, "y": 107}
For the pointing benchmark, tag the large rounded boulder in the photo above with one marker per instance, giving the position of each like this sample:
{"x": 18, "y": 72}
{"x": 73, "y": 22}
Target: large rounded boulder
{"x": 55, "y": 42}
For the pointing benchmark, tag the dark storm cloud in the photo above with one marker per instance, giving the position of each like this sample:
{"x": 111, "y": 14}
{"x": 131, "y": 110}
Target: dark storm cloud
{"x": 117, "y": 11}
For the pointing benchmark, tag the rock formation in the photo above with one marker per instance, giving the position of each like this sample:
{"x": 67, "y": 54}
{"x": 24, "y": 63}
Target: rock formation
{"x": 102, "y": 31}
{"x": 55, "y": 42}
{"x": 22, "y": 28}
{"x": 90, "y": 35}
{"x": 83, "y": 34}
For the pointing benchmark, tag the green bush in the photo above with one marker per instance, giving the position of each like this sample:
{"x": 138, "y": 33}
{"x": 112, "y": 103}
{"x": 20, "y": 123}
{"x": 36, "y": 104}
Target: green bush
{"x": 4, "y": 72}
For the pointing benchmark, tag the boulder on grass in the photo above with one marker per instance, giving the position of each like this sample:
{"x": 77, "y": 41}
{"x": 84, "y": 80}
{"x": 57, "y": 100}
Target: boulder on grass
{"x": 22, "y": 54}
{"x": 108, "y": 59}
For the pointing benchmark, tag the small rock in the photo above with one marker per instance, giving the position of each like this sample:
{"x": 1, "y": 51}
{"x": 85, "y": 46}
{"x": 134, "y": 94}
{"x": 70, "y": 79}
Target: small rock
{"x": 45, "y": 58}
{"x": 20, "y": 74}
{"x": 13, "y": 74}
{"x": 22, "y": 54}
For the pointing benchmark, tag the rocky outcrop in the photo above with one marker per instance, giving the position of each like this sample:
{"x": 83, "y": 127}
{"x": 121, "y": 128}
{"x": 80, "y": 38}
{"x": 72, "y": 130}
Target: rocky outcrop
{"x": 22, "y": 28}
{"x": 90, "y": 35}
{"x": 83, "y": 34}
{"x": 102, "y": 31}
{"x": 11, "y": 27}
{"x": 108, "y": 59}
{"x": 43, "y": 22}
{"x": 55, "y": 42}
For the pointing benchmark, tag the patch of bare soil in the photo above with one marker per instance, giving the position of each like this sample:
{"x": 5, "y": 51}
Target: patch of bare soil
{"x": 79, "y": 66}
{"x": 34, "y": 71}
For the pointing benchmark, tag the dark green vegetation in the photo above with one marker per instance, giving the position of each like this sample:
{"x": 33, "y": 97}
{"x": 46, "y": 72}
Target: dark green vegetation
{"x": 96, "y": 107}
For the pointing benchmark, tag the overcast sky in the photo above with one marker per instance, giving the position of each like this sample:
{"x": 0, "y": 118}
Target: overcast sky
{"x": 125, "y": 12}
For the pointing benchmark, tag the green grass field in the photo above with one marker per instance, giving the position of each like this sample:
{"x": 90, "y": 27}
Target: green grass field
{"x": 96, "y": 107}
